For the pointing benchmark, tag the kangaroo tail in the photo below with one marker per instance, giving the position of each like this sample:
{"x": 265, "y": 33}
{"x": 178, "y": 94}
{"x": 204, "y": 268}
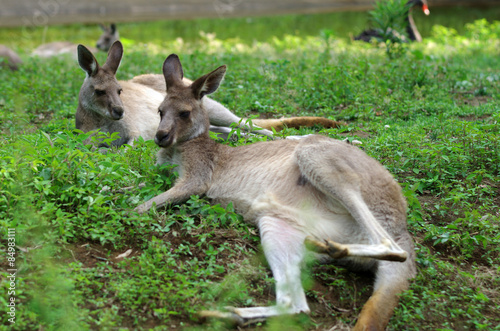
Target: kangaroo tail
{"x": 296, "y": 122}
{"x": 390, "y": 280}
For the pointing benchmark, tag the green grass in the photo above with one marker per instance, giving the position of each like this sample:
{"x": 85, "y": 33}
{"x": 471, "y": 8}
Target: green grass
{"x": 430, "y": 116}
{"x": 246, "y": 30}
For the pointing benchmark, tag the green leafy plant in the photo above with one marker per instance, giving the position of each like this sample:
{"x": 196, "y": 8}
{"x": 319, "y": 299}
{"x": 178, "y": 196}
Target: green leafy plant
{"x": 389, "y": 19}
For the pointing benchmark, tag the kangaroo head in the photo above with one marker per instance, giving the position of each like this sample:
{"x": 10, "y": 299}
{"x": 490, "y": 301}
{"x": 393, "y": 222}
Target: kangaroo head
{"x": 100, "y": 91}
{"x": 182, "y": 114}
{"x": 108, "y": 37}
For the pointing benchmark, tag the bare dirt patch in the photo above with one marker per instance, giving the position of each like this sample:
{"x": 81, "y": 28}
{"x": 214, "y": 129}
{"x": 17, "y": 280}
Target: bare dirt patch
{"x": 328, "y": 302}
{"x": 356, "y": 133}
{"x": 468, "y": 98}
{"x": 473, "y": 117}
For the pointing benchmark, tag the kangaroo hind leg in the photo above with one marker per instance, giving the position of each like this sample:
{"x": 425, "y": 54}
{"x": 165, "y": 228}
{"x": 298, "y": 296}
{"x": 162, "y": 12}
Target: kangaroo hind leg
{"x": 284, "y": 250}
{"x": 342, "y": 172}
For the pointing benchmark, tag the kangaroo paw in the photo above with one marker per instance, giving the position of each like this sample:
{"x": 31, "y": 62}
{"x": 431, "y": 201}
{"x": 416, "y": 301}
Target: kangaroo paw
{"x": 230, "y": 317}
{"x": 383, "y": 251}
{"x": 235, "y": 317}
{"x": 395, "y": 254}
{"x": 335, "y": 250}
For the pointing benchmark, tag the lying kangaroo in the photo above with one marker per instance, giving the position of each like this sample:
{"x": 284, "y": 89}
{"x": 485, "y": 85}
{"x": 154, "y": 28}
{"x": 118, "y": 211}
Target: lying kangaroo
{"x": 316, "y": 192}
{"x": 157, "y": 82}
{"x": 9, "y": 58}
{"x": 131, "y": 107}
{"x": 55, "y": 48}
{"x": 107, "y": 38}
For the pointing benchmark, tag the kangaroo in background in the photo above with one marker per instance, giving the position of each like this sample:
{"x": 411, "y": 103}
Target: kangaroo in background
{"x": 9, "y": 58}
{"x": 316, "y": 192}
{"x": 131, "y": 107}
{"x": 55, "y": 48}
{"x": 107, "y": 38}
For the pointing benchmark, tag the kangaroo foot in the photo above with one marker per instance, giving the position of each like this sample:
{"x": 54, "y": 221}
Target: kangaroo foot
{"x": 382, "y": 251}
{"x": 251, "y": 315}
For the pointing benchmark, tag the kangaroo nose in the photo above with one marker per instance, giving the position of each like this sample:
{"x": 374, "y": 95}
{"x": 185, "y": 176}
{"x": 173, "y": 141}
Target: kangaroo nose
{"x": 162, "y": 138}
{"x": 117, "y": 112}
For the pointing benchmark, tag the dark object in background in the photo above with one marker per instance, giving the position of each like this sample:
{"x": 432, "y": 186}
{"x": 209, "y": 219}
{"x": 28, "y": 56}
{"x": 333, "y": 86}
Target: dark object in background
{"x": 9, "y": 58}
{"x": 108, "y": 37}
{"x": 411, "y": 28}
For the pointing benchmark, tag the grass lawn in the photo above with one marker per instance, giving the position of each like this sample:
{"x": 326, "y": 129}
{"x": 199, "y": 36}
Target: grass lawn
{"x": 430, "y": 115}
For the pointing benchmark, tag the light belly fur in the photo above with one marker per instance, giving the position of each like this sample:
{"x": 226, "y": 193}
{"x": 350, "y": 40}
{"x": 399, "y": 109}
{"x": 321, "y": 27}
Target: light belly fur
{"x": 316, "y": 215}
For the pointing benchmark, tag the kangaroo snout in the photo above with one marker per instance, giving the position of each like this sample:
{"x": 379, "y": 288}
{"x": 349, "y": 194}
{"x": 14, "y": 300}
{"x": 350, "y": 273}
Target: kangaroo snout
{"x": 163, "y": 138}
{"x": 117, "y": 112}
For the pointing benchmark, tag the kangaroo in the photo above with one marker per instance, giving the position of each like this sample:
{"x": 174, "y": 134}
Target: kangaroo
{"x": 56, "y": 48}
{"x": 315, "y": 194}
{"x": 111, "y": 106}
{"x": 131, "y": 107}
{"x": 9, "y": 58}
{"x": 108, "y": 37}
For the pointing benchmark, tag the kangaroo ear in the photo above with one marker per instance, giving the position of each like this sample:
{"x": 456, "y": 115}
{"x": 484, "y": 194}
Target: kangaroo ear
{"x": 114, "y": 56}
{"x": 113, "y": 28}
{"x": 172, "y": 71}
{"x": 87, "y": 61}
{"x": 209, "y": 83}
{"x": 103, "y": 28}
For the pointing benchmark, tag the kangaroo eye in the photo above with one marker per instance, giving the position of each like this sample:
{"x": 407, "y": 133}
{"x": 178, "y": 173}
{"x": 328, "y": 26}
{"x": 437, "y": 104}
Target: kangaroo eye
{"x": 120, "y": 91}
{"x": 100, "y": 93}
{"x": 184, "y": 114}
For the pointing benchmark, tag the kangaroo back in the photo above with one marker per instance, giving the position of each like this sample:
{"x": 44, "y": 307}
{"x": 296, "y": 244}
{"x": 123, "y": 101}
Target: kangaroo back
{"x": 56, "y": 48}
{"x": 156, "y": 82}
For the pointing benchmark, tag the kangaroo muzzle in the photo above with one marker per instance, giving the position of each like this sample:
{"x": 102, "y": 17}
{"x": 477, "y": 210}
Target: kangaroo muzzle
{"x": 164, "y": 138}
{"x": 116, "y": 112}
